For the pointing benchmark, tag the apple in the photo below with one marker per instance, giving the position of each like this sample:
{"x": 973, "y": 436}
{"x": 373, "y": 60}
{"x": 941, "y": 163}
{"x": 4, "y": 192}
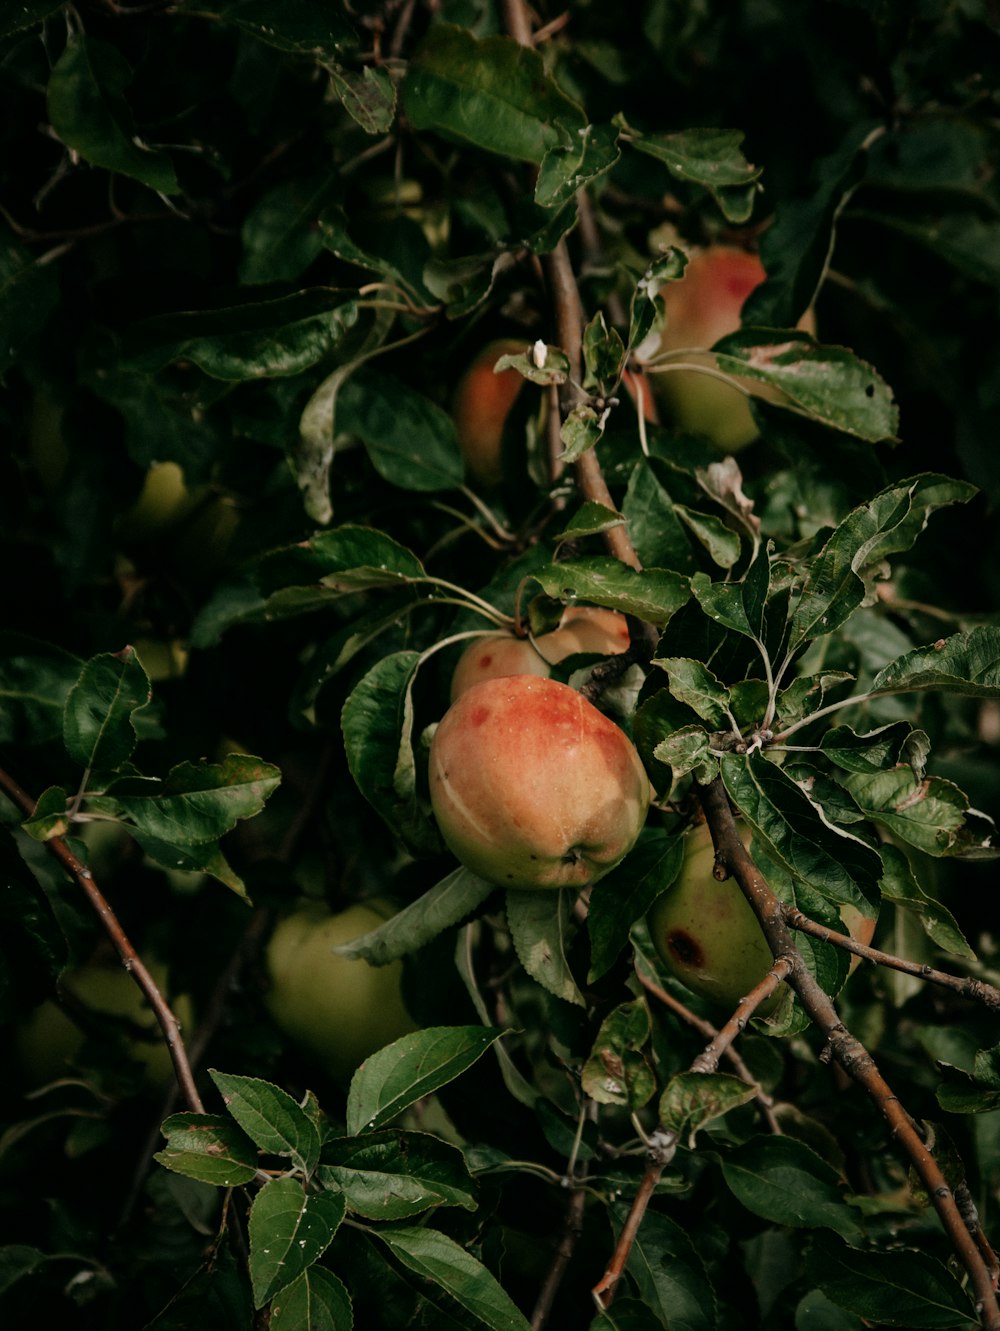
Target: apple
{"x": 480, "y": 407}
{"x": 582, "y": 628}
{"x": 338, "y": 1010}
{"x": 49, "y": 1041}
{"x": 708, "y": 936}
{"x": 163, "y": 500}
{"x": 533, "y": 787}
{"x": 701, "y": 308}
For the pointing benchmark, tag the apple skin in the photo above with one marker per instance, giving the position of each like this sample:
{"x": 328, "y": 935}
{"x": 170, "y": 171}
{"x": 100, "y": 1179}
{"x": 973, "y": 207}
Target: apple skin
{"x": 338, "y": 1010}
{"x": 582, "y": 628}
{"x": 701, "y": 308}
{"x": 49, "y": 1041}
{"x": 533, "y": 787}
{"x": 480, "y": 407}
{"x": 707, "y": 935}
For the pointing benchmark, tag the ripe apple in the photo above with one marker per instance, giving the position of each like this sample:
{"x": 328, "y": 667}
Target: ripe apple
{"x": 49, "y": 1041}
{"x": 701, "y": 308}
{"x": 532, "y": 786}
{"x": 582, "y": 628}
{"x": 707, "y": 934}
{"x": 338, "y": 1010}
{"x": 480, "y": 407}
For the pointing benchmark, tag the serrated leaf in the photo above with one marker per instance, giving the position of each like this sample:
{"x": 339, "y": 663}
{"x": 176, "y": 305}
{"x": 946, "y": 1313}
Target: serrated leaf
{"x": 445, "y": 904}
{"x": 692, "y": 1099}
{"x": 314, "y": 1301}
{"x": 368, "y": 97}
{"x": 415, "y": 1065}
{"x": 440, "y": 1259}
{"x": 541, "y": 924}
{"x": 50, "y": 818}
{"x": 669, "y": 1273}
{"x": 710, "y": 158}
{"x": 908, "y": 1289}
{"x": 35, "y": 681}
{"x": 877, "y": 749}
{"x": 723, "y": 546}
{"x": 394, "y": 1175}
{"x": 493, "y": 93}
{"x": 654, "y": 594}
{"x": 900, "y": 885}
{"x": 695, "y": 685}
{"x": 580, "y": 431}
{"x": 626, "y": 894}
{"x": 208, "y": 1147}
{"x": 926, "y": 813}
{"x": 569, "y": 166}
{"x": 205, "y": 858}
{"x": 784, "y": 1181}
{"x": 617, "y": 1071}
{"x": 410, "y": 439}
{"x": 688, "y": 749}
{"x": 590, "y": 519}
{"x": 270, "y": 1117}
{"x": 541, "y": 364}
{"x": 98, "y": 727}
{"x": 966, "y": 663}
{"x": 289, "y": 1229}
{"x": 645, "y": 306}
{"x": 603, "y": 355}
{"x": 88, "y": 111}
{"x": 197, "y": 802}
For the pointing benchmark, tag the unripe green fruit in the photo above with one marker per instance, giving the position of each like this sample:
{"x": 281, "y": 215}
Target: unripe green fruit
{"x": 338, "y": 1010}
{"x": 581, "y": 629}
{"x": 707, "y": 934}
{"x": 533, "y": 787}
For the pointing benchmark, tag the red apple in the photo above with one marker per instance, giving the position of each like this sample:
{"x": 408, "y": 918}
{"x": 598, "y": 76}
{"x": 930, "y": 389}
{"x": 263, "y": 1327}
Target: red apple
{"x": 701, "y": 308}
{"x": 480, "y": 407}
{"x": 582, "y": 628}
{"x": 532, "y": 786}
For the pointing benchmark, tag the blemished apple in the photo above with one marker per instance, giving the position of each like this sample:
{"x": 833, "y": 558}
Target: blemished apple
{"x": 533, "y": 787}
{"x": 336, "y": 1009}
{"x": 701, "y": 308}
{"x": 480, "y": 408}
{"x": 707, "y": 935}
{"x": 582, "y": 629}
{"x": 49, "y": 1042}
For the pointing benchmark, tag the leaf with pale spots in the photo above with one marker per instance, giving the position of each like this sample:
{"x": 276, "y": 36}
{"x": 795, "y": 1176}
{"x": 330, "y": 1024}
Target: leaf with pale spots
{"x": 289, "y": 1230}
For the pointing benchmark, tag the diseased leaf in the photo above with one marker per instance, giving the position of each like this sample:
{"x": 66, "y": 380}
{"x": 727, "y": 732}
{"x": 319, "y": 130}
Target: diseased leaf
{"x": 368, "y": 97}
{"x": 208, "y": 1147}
{"x": 966, "y": 663}
{"x": 924, "y": 813}
{"x": 569, "y": 166}
{"x": 901, "y": 886}
{"x": 270, "y": 1117}
{"x": 710, "y": 158}
{"x": 692, "y": 1099}
{"x": 289, "y": 1229}
{"x": 617, "y": 1071}
{"x": 654, "y": 594}
{"x": 541, "y": 924}
{"x": 878, "y": 749}
{"x": 197, "y": 802}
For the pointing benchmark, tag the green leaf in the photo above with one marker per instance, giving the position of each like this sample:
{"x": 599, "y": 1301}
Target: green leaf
{"x": 693, "y": 684}
{"x": 540, "y": 364}
{"x": 710, "y": 158}
{"x": 645, "y": 306}
{"x": 617, "y": 1071}
{"x": 876, "y": 750}
{"x": 256, "y": 340}
{"x": 786, "y": 1182}
{"x": 568, "y": 167}
{"x": 28, "y": 292}
{"x": 289, "y": 1230}
{"x": 659, "y": 538}
{"x": 966, "y": 663}
{"x": 197, "y": 802}
{"x": 410, "y": 439}
{"x": 580, "y": 431}
{"x": 98, "y": 729}
{"x": 32, "y": 945}
{"x": 970, "y": 243}
{"x": 908, "y": 1289}
{"x": 314, "y": 1301}
{"x": 493, "y": 93}
{"x": 723, "y": 546}
{"x": 205, "y": 858}
{"x": 35, "y": 681}
{"x": 18, "y": 1260}
{"x": 50, "y": 817}
{"x": 838, "y": 866}
{"x": 926, "y": 813}
{"x": 692, "y": 1099}
{"x": 305, "y": 27}
{"x": 688, "y": 749}
{"x": 88, "y": 111}
{"x": 669, "y": 1273}
{"x": 541, "y": 925}
{"x": 368, "y": 97}
{"x": 591, "y": 519}
{"x": 439, "y": 1258}
{"x": 270, "y": 1117}
{"x": 394, "y": 1175}
{"x": 392, "y": 1079}
{"x": 901, "y": 886}
{"x": 829, "y": 384}
{"x": 654, "y": 594}
{"x": 443, "y": 905}
{"x": 208, "y": 1147}
{"x": 26, "y": 14}
{"x": 626, "y": 894}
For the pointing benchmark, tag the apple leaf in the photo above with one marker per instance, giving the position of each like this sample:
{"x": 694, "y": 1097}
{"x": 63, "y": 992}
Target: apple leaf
{"x": 314, "y": 1301}
{"x": 303, "y": 27}
{"x": 439, "y": 1258}
{"x": 443, "y": 905}
{"x": 785, "y": 1181}
{"x": 710, "y": 158}
{"x": 98, "y": 729}
{"x": 32, "y": 945}
{"x": 35, "y": 681}
{"x": 878, "y": 749}
{"x": 393, "y": 1175}
{"x": 626, "y": 893}
{"x": 209, "y": 1148}
{"x": 694, "y": 684}
{"x": 590, "y": 519}
{"x": 414, "y": 1066}
{"x": 927, "y": 813}
{"x": 569, "y": 166}
{"x": 270, "y": 1117}
{"x": 540, "y": 924}
{"x": 289, "y": 1229}
{"x": 669, "y": 1272}
{"x": 654, "y": 594}
{"x": 900, "y": 886}
{"x": 966, "y": 663}
{"x": 368, "y": 97}
{"x": 688, "y": 749}
{"x": 645, "y": 308}
{"x": 905, "y": 1288}
{"x": 580, "y": 431}
{"x": 204, "y": 858}
{"x": 493, "y": 93}
{"x": 410, "y": 439}
{"x": 617, "y": 1071}
{"x": 723, "y": 546}
{"x": 692, "y": 1099}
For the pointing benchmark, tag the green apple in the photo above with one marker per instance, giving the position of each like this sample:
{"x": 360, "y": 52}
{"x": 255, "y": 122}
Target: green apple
{"x": 48, "y": 1042}
{"x": 338, "y": 1010}
{"x": 533, "y": 787}
{"x": 708, "y": 936}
